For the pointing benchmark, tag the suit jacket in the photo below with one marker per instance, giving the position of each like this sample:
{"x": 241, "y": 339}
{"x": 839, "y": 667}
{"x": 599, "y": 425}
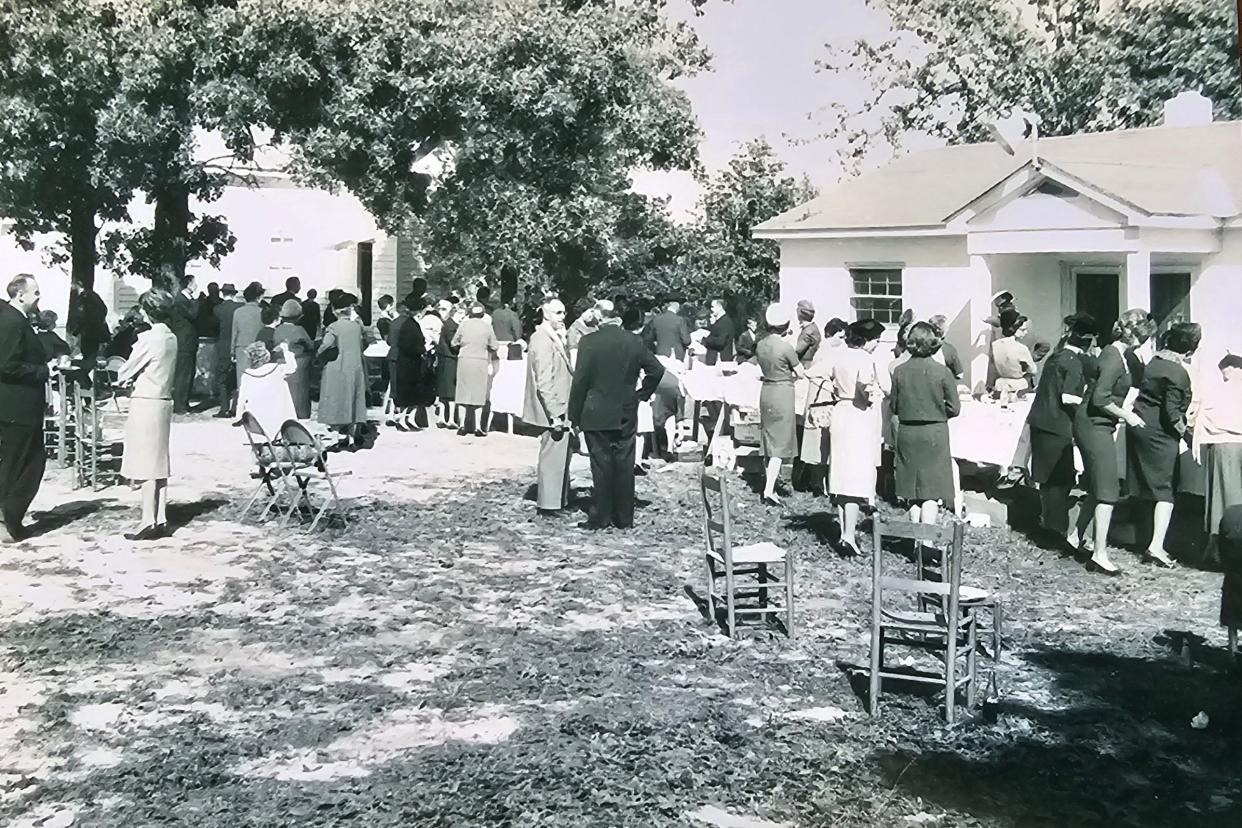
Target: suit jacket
{"x": 720, "y": 340}
{"x": 603, "y": 391}
{"x": 311, "y": 314}
{"x": 548, "y": 379}
{"x": 669, "y": 335}
{"x": 809, "y": 340}
{"x": 151, "y": 363}
{"x": 23, "y": 369}
{"x": 247, "y": 322}
{"x": 184, "y": 321}
{"x": 507, "y": 325}
{"x": 224, "y": 318}
{"x": 88, "y": 318}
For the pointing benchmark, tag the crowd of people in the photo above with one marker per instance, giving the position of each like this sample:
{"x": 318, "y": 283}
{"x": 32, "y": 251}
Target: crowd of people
{"x": 1121, "y": 400}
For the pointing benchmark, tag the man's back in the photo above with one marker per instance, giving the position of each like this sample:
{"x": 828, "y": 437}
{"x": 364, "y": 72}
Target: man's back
{"x": 224, "y": 321}
{"x": 247, "y": 322}
{"x": 671, "y": 335}
{"x": 606, "y": 377}
{"x": 24, "y": 376}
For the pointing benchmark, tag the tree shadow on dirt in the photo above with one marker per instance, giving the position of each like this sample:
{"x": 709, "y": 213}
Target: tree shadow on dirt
{"x": 1124, "y": 754}
{"x": 65, "y": 514}
{"x": 181, "y": 515}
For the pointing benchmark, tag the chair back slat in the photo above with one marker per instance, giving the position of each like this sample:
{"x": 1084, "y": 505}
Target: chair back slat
{"x": 909, "y": 530}
{"x": 889, "y": 583}
{"x": 717, "y": 525}
{"x": 252, "y": 428}
{"x": 296, "y": 434}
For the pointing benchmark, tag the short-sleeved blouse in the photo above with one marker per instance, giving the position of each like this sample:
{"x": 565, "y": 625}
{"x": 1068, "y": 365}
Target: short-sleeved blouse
{"x": 1009, "y": 356}
{"x": 777, "y": 359}
{"x": 852, "y": 373}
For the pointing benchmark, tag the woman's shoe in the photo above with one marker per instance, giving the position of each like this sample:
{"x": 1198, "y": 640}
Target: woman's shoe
{"x": 1160, "y": 559}
{"x": 1095, "y": 566}
{"x": 144, "y": 534}
{"x": 462, "y": 432}
{"x": 478, "y": 432}
{"x": 847, "y": 549}
{"x": 772, "y": 500}
{"x": 400, "y": 426}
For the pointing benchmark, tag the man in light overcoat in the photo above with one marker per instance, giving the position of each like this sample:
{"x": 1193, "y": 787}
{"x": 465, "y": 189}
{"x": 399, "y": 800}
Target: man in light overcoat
{"x": 548, "y": 380}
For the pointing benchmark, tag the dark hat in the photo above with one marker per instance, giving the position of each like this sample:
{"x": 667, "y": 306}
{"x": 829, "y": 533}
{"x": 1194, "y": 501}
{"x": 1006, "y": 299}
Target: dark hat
{"x": 1010, "y": 319}
{"x": 228, "y": 288}
{"x": 1079, "y": 325}
{"x": 1229, "y": 361}
{"x": 865, "y": 329}
{"x": 414, "y": 301}
{"x": 342, "y": 300}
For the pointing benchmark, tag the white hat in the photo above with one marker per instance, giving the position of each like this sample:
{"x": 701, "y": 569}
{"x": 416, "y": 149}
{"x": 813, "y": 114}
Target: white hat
{"x": 777, "y": 315}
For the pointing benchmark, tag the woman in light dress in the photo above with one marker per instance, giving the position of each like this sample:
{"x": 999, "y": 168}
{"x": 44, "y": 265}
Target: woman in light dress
{"x": 1011, "y": 359}
{"x": 859, "y": 385}
{"x": 266, "y": 391}
{"x": 150, "y": 370}
{"x": 476, "y": 361}
{"x": 815, "y": 451}
{"x": 1218, "y": 441}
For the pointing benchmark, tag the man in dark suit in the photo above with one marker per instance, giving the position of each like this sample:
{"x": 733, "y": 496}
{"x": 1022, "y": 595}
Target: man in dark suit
{"x": 184, "y": 324}
{"x": 603, "y": 405}
{"x": 669, "y": 333}
{"x": 720, "y": 336}
{"x": 23, "y": 383}
{"x": 226, "y": 377}
{"x": 293, "y": 286}
{"x": 87, "y": 324}
{"x": 311, "y": 314}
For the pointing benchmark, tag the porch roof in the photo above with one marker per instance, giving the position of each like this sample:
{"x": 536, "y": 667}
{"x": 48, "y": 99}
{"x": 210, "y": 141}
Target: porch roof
{"x": 1161, "y": 171}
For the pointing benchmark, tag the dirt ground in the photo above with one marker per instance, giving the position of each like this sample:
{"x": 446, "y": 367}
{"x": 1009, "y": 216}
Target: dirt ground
{"x": 450, "y": 659}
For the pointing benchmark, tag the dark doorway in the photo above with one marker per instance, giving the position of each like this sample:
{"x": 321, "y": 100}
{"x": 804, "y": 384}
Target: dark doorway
{"x": 1099, "y": 295}
{"x": 364, "y": 280}
{"x": 1170, "y": 298}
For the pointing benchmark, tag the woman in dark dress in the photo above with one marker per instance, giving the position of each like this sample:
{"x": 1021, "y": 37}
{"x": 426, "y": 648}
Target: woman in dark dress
{"x": 446, "y": 365}
{"x": 924, "y": 398}
{"x": 1095, "y": 427}
{"x": 407, "y": 365}
{"x": 780, "y": 366}
{"x": 1162, "y": 402}
{"x": 1062, "y": 385}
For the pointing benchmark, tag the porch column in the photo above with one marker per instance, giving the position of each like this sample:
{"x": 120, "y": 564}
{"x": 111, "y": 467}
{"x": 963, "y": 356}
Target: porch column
{"x": 979, "y": 307}
{"x": 1138, "y": 281}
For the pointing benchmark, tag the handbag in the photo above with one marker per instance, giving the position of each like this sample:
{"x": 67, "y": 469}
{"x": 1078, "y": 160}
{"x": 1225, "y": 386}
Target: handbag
{"x": 328, "y": 355}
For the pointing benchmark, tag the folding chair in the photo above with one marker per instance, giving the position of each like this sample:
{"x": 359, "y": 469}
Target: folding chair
{"x": 942, "y": 627}
{"x": 724, "y": 560}
{"x": 302, "y": 471}
{"x": 269, "y": 470}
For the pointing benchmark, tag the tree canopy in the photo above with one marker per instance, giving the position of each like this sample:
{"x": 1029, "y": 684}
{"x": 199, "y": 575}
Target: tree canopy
{"x": 951, "y": 65}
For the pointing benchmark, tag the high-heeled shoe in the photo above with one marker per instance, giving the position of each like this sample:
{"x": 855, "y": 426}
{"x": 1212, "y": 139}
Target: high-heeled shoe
{"x": 1160, "y": 559}
{"x": 150, "y": 532}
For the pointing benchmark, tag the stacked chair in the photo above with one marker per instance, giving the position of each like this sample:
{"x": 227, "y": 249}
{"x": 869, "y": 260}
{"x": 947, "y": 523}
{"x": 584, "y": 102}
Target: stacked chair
{"x": 291, "y": 472}
{"x": 98, "y": 433}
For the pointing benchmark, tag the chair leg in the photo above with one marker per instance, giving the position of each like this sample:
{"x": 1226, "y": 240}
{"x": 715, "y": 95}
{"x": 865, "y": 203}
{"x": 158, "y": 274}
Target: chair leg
{"x": 997, "y": 632}
{"x": 877, "y": 664}
{"x": 711, "y": 585}
{"x": 729, "y": 603}
{"x": 971, "y": 664}
{"x": 763, "y": 578}
{"x": 950, "y": 671}
{"x": 509, "y": 419}
{"x": 789, "y": 595}
{"x": 1233, "y": 642}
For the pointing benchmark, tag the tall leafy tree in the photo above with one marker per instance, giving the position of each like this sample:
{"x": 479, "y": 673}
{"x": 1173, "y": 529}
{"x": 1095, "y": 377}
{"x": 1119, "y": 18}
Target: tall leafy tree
{"x": 951, "y": 65}
{"x": 59, "y": 78}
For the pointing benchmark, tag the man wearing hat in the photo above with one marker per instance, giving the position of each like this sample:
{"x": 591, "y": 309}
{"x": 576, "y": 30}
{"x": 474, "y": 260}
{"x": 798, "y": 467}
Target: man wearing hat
{"x": 669, "y": 333}
{"x": 297, "y": 342}
{"x": 603, "y": 404}
{"x": 809, "y": 337}
{"x": 226, "y": 378}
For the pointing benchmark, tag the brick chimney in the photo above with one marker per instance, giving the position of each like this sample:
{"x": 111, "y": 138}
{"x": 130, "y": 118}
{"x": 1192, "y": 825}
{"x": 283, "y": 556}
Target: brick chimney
{"x": 1188, "y": 109}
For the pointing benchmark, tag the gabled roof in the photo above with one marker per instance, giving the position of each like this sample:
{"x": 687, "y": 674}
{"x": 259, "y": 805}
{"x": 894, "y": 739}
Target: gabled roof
{"x": 1162, "y": 171}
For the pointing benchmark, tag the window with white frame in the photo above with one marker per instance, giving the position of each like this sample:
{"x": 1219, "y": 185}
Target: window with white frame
{"x": 876, "y": 294}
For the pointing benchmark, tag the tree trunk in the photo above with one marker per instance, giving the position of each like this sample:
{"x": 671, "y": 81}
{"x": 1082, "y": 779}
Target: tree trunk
{"x": 171, "y": 236}
{"x": 83, "y": 234}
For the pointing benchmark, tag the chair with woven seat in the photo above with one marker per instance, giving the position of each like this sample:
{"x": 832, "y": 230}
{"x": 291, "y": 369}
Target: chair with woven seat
{"x": 308, "y": 459}
{"x": 930, "y": 566}
{"x": 939, "y": 626}
{"x": 744, "y": 569}
{"x": 98, "y": 440}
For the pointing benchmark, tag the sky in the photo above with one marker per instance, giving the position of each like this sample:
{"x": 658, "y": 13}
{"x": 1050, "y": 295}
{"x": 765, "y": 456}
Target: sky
{"x": 764, "y": 83}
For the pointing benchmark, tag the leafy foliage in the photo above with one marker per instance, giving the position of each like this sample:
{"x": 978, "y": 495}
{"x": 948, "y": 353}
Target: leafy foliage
{"x": 1081, "y": 65}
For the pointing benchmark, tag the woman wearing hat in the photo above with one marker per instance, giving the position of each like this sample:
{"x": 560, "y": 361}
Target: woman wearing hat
{"x": 343, "y": 385}
{"x": 150, "y": 370}
{"x": 1162, "y": 402}
{"x": 858, "y": 386}
{"x": 409, "y": 350}
{"x": 266, "y": 391}
{"x": 298, "y": 344}
{"x": 477, "y": 348}
{"x": 779, "y": 366}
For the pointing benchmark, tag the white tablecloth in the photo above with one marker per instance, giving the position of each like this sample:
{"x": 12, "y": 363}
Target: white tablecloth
{"x": 509, "y": 387}
{"x": 991, "y": 433}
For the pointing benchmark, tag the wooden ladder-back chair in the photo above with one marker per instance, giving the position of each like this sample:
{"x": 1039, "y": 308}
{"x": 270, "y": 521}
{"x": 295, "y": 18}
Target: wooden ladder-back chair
{"x": 96, "y": 454}
{"x": 930, "y": 566}
{"x": 311, "y": 464}
{"x": 745, "y": 564}
{"x": 268, "y": 470}
{"x": 945, "y": 628}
